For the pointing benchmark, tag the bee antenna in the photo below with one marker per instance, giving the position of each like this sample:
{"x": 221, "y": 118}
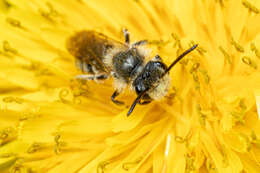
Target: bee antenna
{"x": 180, "y": 57}
{"x": 138, "y": 98}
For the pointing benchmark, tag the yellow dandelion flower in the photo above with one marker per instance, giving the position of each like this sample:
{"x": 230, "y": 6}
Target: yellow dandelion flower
{"x": 208, "y": 122}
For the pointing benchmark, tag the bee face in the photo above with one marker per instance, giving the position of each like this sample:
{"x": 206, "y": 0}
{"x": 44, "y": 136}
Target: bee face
{"x": 151, "y": 77}
{"x": 127, "y": 64}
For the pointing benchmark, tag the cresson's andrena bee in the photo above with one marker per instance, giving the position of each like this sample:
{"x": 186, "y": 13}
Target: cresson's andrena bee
{"x": 100, "y": 57}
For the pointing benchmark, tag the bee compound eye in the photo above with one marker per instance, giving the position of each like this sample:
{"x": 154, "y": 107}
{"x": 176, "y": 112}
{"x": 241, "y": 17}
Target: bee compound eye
{"x": 139, "y": 87}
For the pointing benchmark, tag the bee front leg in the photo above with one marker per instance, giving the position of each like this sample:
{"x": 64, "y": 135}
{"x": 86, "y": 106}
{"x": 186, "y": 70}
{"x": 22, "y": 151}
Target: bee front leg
{"x": 114, "y": 95}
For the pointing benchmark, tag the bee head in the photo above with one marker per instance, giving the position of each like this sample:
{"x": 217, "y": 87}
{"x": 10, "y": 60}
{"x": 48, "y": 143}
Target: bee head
{"x": 153, "y": 82}
{"x": 151, "y": 77}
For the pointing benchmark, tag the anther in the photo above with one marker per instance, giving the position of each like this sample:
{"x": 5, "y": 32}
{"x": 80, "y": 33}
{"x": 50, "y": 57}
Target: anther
{"x": 50, "y": 14}
{"x": 34, "y": 147}
{"x": 210, "y": 165}
{"x": 102, "y": 166}
{"x": 10, "y": 99}
{"x": 190, "y": 163}
{"x": 205, "y": 75}
{"x": 180, "y": 139}
{"x": 177, "y": 40}
{"x": 254, "y": 49}
{"x": 194, "y": 67}
{"x": 202, "y": 117}
{"x": 14, "y": 22}
{"x": 128, "y": 165}
{"x": 63, "y": 94}
{"x": 237, "y": 46}
{"x": 226, "y": 55}
{"x": 196, "y": 80}
{"x": 8, "y": 48}
{"x": 7, "y": 134}
{"x": 249, "y": 62}
{"x": 250, "y": 7}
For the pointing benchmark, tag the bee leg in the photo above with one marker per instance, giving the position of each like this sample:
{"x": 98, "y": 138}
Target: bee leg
{"x": 91, "y": 77}
{"x": 139, "y": 43}
{"x": 114, "y": 95}
{"x": 126, "y": 35}
{"x": 144, "y": 102}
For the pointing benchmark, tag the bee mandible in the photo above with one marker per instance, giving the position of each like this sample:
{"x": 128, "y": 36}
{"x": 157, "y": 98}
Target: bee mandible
{"x": 100, "y": 57}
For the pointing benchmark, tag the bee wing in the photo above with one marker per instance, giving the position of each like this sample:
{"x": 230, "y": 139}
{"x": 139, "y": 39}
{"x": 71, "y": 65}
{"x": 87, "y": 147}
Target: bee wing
{"x": 90, "y": 48}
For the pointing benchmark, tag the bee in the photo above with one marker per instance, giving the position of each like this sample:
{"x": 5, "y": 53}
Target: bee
{"x": 100, "y": 57}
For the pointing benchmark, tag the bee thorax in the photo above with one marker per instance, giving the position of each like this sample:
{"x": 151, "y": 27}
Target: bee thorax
{"x": 127, "y": 64}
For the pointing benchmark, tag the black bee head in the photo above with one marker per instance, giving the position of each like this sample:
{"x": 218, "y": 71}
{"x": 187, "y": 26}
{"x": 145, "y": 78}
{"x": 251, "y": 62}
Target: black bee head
{"x": 149, "y": 77}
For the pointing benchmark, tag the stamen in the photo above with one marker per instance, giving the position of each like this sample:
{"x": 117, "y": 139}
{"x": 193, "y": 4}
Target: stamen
{"x": 190, "y": 163}
{"x": 250, "y": 7}
{"x": 205, "y": 75}
{"x": 210, "y": 166}
{"x": 7, "y": 48}
{"x": 15, "y": 23}
{"x": 102, "y": 166}
{"x": 128, "y": 165}
{"x": 254, "y": 139}
{"x": 158, "y": 43}
{"x": 195, "y": 67}
{"x": 237, "y": 46}
{"x": 17, "y": 167}
{"x": 242, "y": 104}
{"x": 196, "y": 80}
{"x": 180, "y": 139}
{"x": 239, "y": 113}
{"x": 221, "y": 2}
{"x": 177, "y": 40}
{"x": 223, "y": 151}
{"x": 58, "y": 144}
{"x": 63, "y": 94}
{"x": 51, "y": 14}
{"x": 226, "y": 55}
{"x": 249, "y": 62}
{"x": 7, "y": 3}
{"x": 254, "y": 49}
{"x": 7, "y": 134}
{"x": 35, "y": 147}
{"x": 253, "y": 135}
{"x": 246, "y": 139}
{"x": 77, "y": 101}
{"x": 11, "y": 99}
{"x": 7, "y": 155}
{"x": 202, "y": 117}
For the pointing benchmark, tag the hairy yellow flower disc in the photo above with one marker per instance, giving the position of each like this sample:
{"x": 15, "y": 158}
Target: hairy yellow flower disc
{"x": 208, "y": 122}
